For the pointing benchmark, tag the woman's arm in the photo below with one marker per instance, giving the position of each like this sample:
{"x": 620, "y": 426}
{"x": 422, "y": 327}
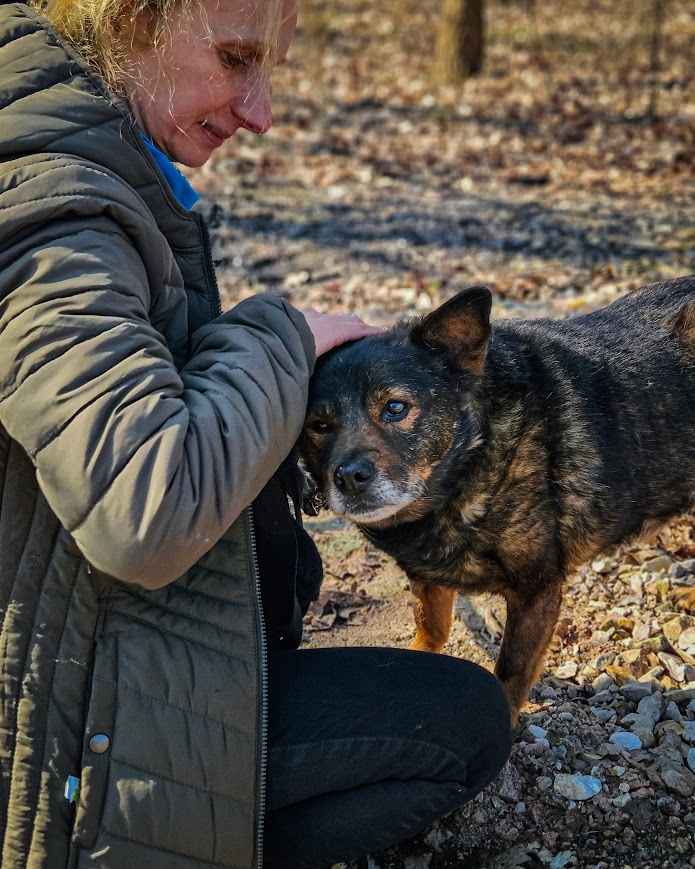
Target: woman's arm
{"x": 144, "y": 465}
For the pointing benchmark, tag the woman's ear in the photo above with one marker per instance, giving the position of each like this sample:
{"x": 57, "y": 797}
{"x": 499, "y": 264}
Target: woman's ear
{"x": 460, "y": 327}
{"x": 136, "y": 27}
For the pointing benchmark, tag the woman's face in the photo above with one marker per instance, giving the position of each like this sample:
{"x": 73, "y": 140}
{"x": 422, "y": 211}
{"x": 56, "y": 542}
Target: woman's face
{"x": 205, "y": 78}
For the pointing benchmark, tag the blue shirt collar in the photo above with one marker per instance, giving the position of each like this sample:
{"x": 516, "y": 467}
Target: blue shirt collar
{"x": 180, "y": 186}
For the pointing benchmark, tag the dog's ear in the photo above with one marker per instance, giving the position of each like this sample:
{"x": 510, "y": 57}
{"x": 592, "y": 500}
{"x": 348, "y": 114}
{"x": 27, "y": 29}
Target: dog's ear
{"x": 461, "y": 327}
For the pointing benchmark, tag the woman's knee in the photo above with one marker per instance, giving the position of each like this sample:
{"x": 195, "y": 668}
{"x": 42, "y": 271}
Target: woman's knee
{"x": 472, "y": 717}
{"x": 497, "y": 746}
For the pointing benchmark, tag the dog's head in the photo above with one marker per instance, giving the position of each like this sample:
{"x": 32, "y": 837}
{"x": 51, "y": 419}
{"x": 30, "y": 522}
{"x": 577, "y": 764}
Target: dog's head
{"x": 393, "y": 417}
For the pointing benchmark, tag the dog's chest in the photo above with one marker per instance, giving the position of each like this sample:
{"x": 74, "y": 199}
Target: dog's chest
{"x": 447, "y": 549}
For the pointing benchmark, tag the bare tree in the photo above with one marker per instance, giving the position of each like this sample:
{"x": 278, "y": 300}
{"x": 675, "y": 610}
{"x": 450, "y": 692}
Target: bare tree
{"x": 460, "y": 41}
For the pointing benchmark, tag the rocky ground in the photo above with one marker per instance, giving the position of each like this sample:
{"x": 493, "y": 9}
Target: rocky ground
{"x": 563, "y": 177}
{"x": 602, "y": 772}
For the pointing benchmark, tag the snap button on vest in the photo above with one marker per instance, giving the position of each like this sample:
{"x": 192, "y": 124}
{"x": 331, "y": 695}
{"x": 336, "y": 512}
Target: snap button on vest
{"x": 99, "y": 743}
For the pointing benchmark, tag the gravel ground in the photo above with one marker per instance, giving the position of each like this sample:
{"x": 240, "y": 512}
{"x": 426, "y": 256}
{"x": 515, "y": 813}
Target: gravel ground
{"x": 602, "y": 772}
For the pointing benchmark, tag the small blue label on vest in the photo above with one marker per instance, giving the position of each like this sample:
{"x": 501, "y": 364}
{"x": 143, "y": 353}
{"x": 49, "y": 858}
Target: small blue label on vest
{"x": 72, "y": 786}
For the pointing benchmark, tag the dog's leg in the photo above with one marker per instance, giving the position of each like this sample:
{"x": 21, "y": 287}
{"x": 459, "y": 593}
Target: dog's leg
{"x": 434, "y": 610}
{"x": 528, "y": 630}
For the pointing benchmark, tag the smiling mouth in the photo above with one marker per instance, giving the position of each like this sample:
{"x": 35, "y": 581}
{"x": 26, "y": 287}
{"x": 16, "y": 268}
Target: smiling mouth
{"x": 214, "y": 136}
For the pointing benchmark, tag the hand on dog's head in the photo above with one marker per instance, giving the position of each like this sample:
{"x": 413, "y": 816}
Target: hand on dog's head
{"x": 389, "y": 414}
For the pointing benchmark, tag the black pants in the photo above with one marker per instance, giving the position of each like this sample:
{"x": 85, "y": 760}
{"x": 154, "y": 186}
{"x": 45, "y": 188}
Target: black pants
{"x": 369, "y": 746}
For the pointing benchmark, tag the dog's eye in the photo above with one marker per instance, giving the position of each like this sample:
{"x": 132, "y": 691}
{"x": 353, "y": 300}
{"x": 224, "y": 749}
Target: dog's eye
{"x": 395, "y": 411}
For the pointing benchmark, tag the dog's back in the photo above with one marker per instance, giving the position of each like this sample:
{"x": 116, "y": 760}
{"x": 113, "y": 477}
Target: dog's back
{"x": 616, "y": 392}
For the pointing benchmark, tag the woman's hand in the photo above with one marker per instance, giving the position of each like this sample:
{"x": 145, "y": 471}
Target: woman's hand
{"x": 330, "y": 330}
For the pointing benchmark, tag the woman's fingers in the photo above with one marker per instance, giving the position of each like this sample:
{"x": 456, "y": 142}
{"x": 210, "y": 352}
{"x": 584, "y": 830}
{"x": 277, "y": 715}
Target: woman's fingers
{"x": 330, "y": 330}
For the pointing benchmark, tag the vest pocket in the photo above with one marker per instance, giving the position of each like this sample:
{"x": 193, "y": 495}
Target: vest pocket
{"x": 98, "y": 742}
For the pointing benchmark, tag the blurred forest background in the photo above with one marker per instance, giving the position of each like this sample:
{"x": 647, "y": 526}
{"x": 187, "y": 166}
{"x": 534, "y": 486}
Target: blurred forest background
{"x": 562, "y": 174}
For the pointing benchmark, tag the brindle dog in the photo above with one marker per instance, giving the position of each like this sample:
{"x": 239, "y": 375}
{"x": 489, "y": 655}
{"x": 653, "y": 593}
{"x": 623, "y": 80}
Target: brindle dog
{"x": 500, "y": 458}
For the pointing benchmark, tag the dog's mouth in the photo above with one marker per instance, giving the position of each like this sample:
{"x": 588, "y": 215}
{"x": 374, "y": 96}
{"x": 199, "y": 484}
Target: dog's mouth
{"x": 377, "y": 515}
{"x": 381, "y": 504}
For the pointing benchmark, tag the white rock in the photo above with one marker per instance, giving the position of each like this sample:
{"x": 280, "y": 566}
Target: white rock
{"x": 564, "y": 858}
{"x": 637, "y": 585}
{"x": 674, "y": 665}
{"x": 603, "y": 682}
{"x": 567, "y": 671}
{"x": 625, "y": 739}
{"x": 686, "y": 641}
{"x": 576, "y": 787}
{"x": 655, "y": 673}
{"x": 641, "y": 631}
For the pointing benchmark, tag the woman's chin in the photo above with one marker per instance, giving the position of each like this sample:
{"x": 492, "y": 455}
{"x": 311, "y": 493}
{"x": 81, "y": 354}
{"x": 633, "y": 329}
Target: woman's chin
{"x": 190, "y": 150}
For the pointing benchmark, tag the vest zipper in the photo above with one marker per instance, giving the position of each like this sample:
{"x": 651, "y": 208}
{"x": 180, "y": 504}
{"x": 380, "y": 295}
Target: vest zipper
{"x": 213, "y": 293}
{"x": 263, "y": 693}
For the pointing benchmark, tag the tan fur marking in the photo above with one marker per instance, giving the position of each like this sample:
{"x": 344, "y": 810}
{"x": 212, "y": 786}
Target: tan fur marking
{"x": 433, "y": 607}
{"x": 684, "y": 324}
{"x": 474, "y": 508}
{"x": 409, "y": 422}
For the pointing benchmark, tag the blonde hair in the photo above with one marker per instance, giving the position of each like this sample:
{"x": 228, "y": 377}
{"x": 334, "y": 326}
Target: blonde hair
{"x": 101, "y": 31}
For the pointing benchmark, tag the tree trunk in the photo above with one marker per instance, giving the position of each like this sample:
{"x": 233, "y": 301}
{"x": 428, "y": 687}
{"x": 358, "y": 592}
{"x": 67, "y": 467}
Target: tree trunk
{"x": 655, "y": 56}
{"x": 460, "y": 41}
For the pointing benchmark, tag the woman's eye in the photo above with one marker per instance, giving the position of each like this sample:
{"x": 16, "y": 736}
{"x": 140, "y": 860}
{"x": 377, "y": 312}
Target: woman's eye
{"x": 234, "y": 60}
{"x": 395, "y": 411}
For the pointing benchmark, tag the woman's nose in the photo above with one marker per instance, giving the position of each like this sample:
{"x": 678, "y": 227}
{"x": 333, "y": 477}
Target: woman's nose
{"x": 253, "y": 107}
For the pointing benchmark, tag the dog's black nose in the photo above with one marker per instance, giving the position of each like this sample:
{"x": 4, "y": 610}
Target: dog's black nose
{"x": 354, "y": 476}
